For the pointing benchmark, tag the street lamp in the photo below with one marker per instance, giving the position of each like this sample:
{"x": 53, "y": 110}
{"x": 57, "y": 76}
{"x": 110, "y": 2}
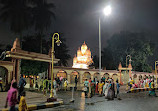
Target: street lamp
{"x": 107, "y": 11}
{"x": 129, "y": 61}
{"x": 58, "y": 42}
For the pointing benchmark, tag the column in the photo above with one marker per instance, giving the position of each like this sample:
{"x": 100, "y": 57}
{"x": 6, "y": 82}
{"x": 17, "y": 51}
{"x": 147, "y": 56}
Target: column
{"x": 68, "y": 78}
{"x": 17, "y": 70}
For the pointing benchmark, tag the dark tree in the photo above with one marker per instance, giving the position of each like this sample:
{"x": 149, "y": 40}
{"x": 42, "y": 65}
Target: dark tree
{"x": 42, "y": 17}
{"x": 95, "y": 62}
{"x": 61, "y": 52}
{"x": 129, "y": 43}
{"x": 17, "y": 14}
{"x": 31, "y": 44}
{"x": 107, "y": 59}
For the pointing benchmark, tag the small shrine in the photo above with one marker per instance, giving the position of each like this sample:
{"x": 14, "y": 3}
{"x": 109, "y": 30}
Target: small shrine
{"x": 83, "y": 59}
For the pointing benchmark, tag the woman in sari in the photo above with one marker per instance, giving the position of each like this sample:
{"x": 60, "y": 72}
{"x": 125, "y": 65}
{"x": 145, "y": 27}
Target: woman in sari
{"x": 105, "y": 89}
{"x": 152, "y": 89}
{"x": 96, "y": 87}
{"x": 100, "y": 88}
{"x": 110, "y": 92}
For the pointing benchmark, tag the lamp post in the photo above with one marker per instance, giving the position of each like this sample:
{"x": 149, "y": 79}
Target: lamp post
{"x": 107, "y": 12}
{"x": 52, "y": 75}
{"x": 129, "y": 61}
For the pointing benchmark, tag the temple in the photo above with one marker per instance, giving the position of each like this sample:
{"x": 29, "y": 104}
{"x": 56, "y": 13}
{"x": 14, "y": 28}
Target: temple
{"x": 83, "y": 59}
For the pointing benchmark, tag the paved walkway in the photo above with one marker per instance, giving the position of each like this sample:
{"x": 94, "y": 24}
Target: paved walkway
{"x": 31, "y": 98}
{"x": 38, "y": 98}
{"x": 130, "y": 102}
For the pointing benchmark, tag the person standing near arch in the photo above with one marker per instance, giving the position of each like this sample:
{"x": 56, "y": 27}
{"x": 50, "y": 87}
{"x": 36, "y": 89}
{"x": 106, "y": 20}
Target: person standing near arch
{"x": 22, "y": 83}
{"x": 76, "y": 80}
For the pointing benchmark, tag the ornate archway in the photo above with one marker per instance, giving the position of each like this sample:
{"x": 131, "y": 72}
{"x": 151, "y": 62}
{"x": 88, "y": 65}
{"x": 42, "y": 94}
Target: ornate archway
{"x": 86, "y": 75}
{"x": 17, "y": 54}
{"x": 4, "y": 75}
{"x": 73, "y": 75}
{"x": 96, "y": 76}
{"x": 115, "y": 77}
{"x": 62, "y": 73}
{"x": 106, "y": 75}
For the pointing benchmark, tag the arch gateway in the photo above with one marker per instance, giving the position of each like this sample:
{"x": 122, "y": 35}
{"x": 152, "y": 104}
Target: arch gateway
{"x": 16, "y": 54}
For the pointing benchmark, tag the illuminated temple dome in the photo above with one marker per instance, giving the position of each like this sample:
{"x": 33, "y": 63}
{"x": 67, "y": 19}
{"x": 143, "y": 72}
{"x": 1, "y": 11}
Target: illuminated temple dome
{"x": 83, "y": 59}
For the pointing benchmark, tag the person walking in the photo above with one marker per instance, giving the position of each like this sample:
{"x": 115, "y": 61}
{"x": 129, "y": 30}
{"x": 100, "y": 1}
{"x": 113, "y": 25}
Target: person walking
{"x": 76, "y": 80}
{"x": 113, "y": 88}
{"x": 65, "y": 84}
{"x": 105, "y": 89}
{"x": 100, "y": 88}
{"x": 152, "y": 89}
{"x": 22, "y": 103}
{"x": 55, "y": 85}
{"x": 86, "y": 85}
{"x": 45, "y": 86}
{"x": 92, "y": 88}
{"x": 22, "y": 83}
{"x": 96, "y": 87}
{"x": 12, "y": 97}
{"x": 110, "y": 93}
{"x": 118, "y": 89}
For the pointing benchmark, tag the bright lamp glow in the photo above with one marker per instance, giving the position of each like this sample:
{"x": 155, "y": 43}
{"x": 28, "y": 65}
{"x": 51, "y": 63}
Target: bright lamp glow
{"x": 107, "y": 10}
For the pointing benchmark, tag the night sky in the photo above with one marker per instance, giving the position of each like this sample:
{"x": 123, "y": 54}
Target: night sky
{"x": 78, "y": 21}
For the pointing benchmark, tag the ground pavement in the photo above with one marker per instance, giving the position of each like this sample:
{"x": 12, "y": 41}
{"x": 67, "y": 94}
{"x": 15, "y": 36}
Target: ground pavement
{"x": 130, "y": 102}
{"x": 31, "y": 98}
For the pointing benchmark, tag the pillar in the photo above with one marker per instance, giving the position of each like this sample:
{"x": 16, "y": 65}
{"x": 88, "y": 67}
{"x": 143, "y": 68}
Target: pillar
{"x": 81, "y": 78}
{"x": 14, "y": 69}
{"x": 9, "y": 76}
{"x": 68, "y": 78}
{"x": 17, "y": 70}
{"x": 92, "y": 76}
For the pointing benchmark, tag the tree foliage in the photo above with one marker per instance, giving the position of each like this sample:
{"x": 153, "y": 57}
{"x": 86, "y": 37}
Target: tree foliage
{"x": 31, "y": 43}
{"x": 95, "y": 62}
{"x": 128, "y": 43}
{"x": 22, "y": 15}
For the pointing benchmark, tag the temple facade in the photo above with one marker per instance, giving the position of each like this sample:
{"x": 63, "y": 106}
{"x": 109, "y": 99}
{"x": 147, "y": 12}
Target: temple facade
{"x": 83, "y": 58}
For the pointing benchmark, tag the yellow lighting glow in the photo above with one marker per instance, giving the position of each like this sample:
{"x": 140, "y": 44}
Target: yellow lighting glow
{"x": 83, "y": 59}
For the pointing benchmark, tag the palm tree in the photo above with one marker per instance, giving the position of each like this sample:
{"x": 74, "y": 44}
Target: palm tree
{"x": 17, "y": 14}
{"x": 42, "y": 16}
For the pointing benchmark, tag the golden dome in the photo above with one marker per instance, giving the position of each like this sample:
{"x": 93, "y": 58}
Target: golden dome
{"x": 75, "y": 59}
{"x": 79, "y": 53}
{"x": 83, "y": 48}
{"x": 83, "y": 58}
{"x": 88, "y": 52}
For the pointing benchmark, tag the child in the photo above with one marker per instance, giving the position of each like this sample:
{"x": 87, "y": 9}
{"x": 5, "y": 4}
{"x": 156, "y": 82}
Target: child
{"x": 65, "y": 84}
{"x": 22, "y": 104}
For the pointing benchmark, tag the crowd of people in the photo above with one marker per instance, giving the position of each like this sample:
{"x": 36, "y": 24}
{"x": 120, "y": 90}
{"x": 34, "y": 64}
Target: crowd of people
{"x": 146, "y": 82}
{"x": 141, "y": 83}
{"x": 105, "y": 87}
{"x": 59, "y": 83}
